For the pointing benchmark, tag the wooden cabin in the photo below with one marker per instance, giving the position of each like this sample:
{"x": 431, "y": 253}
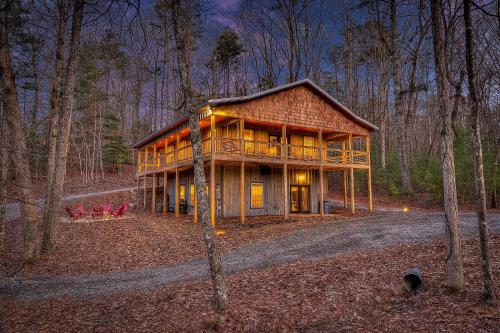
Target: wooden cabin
{"x": 265, "y": 154}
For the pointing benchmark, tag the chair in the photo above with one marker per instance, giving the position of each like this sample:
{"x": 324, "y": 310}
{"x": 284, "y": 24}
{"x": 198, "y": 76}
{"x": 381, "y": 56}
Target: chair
{"x": 121, "y": 210}
{"x": 71, "y": 213}
{"x": 81, "y": 211}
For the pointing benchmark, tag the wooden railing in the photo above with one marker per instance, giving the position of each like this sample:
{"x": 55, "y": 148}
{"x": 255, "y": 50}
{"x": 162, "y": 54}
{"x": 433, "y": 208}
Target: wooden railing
{"x": 253, "y": 149}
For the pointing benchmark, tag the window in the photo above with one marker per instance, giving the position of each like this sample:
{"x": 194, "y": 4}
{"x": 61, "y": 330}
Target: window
{"x": 273, "y": 147}
{"x": 257, "y": 195}
{"x": 191, "y": 194}
{"x": 248, "y": 136}
{"x": 308, "y": 142}
{"x": 182, "y": 194}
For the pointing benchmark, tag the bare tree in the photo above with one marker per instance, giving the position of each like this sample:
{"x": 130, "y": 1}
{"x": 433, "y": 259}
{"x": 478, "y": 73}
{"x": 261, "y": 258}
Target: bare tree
{"x": 454, "y": 267}
{"x": 489, "y": 285}
{"x": 17, "y": 140}
{"x": 53, "y": 204}
{"x": 184, "y": 36}
{"x": 398, "y": 100}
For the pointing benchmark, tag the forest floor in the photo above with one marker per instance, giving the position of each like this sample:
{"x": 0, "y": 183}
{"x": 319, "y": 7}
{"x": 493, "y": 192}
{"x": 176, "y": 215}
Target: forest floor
{"x": 359, "y": 291}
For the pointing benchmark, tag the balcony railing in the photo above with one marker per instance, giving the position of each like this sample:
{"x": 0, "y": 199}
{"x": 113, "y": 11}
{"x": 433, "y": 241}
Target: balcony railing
{"x": 254, "y": 149}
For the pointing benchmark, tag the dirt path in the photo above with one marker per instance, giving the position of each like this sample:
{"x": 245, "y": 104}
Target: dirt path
{"x": 370, "y": 232}
{"x": 12, "y": 210}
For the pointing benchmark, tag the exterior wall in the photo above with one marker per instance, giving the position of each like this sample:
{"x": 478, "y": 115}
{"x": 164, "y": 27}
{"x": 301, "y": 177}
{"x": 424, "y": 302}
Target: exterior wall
{"x": 272, "y": 178}
{"x": 298, "y": 106}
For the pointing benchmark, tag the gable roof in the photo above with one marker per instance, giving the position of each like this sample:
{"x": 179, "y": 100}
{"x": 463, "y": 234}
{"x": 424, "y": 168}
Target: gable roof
{"x": 235, "y": 100}
{"x": 305, "y": 82}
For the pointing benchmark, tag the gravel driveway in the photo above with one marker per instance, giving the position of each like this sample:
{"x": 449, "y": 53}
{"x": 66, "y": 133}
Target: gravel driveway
{"x": 324, "y": 240}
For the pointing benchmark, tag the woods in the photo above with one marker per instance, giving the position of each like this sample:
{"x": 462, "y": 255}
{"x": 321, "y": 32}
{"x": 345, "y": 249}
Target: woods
{"x": 83, "y": 81}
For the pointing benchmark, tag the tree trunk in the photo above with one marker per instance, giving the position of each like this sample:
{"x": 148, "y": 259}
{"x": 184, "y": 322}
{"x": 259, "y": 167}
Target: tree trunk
{"x": 454, "y": 267}
{"x": 216, "y": 271}
{"x": 55, "y": 94}
{"x": 489, "y": 286}
{"x": 18, "y": 147}
{"x": 398, "y": 102}
{"x": 4, "y": 165}
{"x": 52, "y": 206}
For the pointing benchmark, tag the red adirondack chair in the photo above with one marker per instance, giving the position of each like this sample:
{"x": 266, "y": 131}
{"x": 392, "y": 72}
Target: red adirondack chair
{"x": 99, "y": 211}
{"x": 71, "y": 213}
{"x": 81, "y": 211}
{"x": 121, "y": 210}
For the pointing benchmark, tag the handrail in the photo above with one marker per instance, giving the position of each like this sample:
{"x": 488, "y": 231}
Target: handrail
{"x": 254, "y": 148}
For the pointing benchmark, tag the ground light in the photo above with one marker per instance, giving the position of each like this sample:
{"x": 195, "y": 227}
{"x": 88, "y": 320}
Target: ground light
{"x": 220, "y": 232}
{"x": 405, "y": 209}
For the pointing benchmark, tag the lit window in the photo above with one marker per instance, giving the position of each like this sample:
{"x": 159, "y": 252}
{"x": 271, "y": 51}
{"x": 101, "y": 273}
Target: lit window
{"x": 192, "y": 194}
{"x": 257, "y": 195}
{"x": 273, "y": 147}
{"x": 308, "y": 142}
{"x": 182, "y": 194}
{"x": 249, "y": 138}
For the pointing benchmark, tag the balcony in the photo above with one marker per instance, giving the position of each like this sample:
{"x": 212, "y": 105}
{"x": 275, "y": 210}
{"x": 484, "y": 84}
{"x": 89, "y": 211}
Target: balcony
{"x": 235, "y": 149}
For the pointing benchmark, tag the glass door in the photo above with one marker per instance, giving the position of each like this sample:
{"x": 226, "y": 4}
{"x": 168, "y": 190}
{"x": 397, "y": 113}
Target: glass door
{"x": 294, "y": 199}
{"x": 304, "y": 199}
{"x": 299, "y": 199}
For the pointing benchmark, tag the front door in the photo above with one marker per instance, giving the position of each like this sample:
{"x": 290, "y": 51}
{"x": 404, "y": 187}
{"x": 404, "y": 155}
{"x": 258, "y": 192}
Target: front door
{"x": 299, "y": 199}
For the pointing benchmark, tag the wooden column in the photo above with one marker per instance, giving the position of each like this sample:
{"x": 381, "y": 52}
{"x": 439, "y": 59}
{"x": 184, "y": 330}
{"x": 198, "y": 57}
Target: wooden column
{"x": 344, "y": 176}
{"x": 165, "y": 202}
{"x": 195, "y": 212}
{"x": 166, "y": 151}
{"x": 370, "y": 200}
{"x": 212, "y": 192}
{"x": 176, "y": 192}
{"x": 176, "y": 152}
{"x": 285, "y": 191}
{"x": 320, "y": 144}
{"x": 138, "y": 161}
{"x": 242, "y": 192}
{"x": 153, "y": 196}
{"x": 242, "y": 136}
{"x": 351, "y": 150}
{"x": 284, "y": 156}
{"x": 146, "y": 159}
{"x": 144, "y": 192}
{"x": 283, "y": 142}
{"x": 154, "y": 155}
{"x": 321, "y": 192}
{"x": 212, "y": 134}
{"x": 351, "y": 180}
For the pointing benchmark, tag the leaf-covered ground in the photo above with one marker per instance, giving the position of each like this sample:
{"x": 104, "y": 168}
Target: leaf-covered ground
{"x": 358, "y": 292}
{"x": 145, "y": 241}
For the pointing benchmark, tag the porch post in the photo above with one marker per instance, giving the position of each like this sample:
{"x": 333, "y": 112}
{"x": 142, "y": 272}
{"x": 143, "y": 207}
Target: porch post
{"x": 153, "y": 196}
{"x": 165, "y": 202}
{"x": 242, "y": 192}
{"x": 176, "y": 192}
{"x": 146, "y": 159}
{"x": 144, "y": 192}
{"x": 195, "y": 213}
{"x": 285, "y": 190}
{"x": 321, "y": 189}
{"x": 321, "y": 192}
{"x": 242, "y": 136}
{"x": 351, "y": 171}
{"x": 370, "y": 201}
{"x": 212, "y": 191}
{"x": 344, "y": 176}
{"x": 285, "y": 172}
{"x": 138, "y": 161}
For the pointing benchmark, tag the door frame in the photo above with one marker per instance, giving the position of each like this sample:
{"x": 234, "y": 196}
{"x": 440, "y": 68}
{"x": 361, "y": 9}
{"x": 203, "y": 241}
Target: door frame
{"x": 299, "y": 186}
